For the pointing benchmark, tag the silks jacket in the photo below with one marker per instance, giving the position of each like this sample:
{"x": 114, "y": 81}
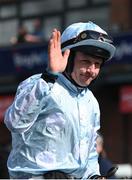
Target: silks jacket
{"x": 53, "y": 127}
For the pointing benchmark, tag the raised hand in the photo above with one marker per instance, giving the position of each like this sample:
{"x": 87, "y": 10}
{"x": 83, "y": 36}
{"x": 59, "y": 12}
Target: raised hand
{"x": 57, "y": 60}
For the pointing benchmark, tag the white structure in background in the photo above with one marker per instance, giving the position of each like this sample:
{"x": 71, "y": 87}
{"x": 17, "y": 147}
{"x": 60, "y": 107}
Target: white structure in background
{"x": 124, "y": 170}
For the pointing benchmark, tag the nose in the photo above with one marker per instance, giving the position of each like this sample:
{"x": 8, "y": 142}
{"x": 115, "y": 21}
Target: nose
{"x": 91, "y": 67}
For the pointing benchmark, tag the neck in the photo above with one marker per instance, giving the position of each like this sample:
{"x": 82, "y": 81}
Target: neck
{"x": 68, "y": 76}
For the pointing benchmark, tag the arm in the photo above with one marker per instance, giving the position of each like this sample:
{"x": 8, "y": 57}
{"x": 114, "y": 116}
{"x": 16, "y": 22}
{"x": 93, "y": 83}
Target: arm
{"x": 92, "y": 162}
{"x": 93, "y": 157}
{"x": 31, "y": 93}
{"x": 27, "y": 104}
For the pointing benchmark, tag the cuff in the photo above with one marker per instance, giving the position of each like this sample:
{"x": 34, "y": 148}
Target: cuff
{"x": 49, "y": 76}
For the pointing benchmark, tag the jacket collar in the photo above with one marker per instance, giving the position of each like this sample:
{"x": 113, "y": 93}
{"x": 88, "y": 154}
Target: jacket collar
{"x": 71, "y": 86}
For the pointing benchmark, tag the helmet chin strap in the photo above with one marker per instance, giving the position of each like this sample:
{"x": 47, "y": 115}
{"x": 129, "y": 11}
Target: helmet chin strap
{"x": 69, "y": 69}
{"x": 70, "y": 64}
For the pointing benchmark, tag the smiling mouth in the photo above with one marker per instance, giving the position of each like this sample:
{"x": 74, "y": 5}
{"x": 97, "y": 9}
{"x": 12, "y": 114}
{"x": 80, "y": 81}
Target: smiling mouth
{"x": 86, "y": 76}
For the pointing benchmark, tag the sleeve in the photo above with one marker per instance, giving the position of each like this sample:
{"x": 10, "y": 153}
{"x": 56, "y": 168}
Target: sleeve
{"x": 93, "y": 158}
{"x": 27, "y": 104}
{"x": 93, "y": 165}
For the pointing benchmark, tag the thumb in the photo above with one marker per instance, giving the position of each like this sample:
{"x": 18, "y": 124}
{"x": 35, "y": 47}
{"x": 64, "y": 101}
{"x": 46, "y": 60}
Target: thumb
{"x": 66, "y": 54}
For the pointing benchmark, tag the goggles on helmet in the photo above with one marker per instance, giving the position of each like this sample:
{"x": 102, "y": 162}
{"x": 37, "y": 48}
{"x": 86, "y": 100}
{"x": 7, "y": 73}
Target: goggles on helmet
{"x": 89, "y": 34}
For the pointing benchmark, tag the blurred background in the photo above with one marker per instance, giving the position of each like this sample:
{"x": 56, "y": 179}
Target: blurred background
{"x": 25, "y": 27}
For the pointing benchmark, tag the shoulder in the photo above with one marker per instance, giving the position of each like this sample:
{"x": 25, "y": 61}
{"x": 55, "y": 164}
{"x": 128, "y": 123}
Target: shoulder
{"x": 31, "y": 78}
{"x": 32, "y": 82}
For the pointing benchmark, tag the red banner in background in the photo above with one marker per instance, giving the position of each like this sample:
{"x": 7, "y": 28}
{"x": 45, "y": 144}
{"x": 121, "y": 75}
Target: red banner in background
{"x": 5, "y": 101}
{"x": 125, "y": 103}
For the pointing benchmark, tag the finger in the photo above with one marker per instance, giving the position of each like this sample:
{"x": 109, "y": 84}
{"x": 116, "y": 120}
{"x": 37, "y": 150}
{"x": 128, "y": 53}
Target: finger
{"x": 66, "y": 54}
{"x": 51, "y": 41}
{"x": 52, "y": 38}
{"x": 55, "y": 37}
{"x": 53, "y": 34}
{"x": 58, "y": 39}
{"x": 50, "y": 45}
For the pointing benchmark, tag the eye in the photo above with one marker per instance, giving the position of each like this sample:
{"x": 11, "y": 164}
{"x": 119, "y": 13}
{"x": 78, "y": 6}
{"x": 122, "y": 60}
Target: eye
{"x": 83, "y": 62}
{"x": 97, "y": 64}
{"x": 87, "y": 61}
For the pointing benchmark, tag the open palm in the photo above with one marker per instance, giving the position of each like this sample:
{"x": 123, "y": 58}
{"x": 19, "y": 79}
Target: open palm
{"x": 57, "y": 60}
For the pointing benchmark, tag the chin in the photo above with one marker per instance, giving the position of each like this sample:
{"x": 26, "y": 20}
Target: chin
{"x": 84, "y": 85}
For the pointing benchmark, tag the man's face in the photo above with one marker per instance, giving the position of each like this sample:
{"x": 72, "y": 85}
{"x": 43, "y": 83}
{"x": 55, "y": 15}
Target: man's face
{"x": 86, "y": 68}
